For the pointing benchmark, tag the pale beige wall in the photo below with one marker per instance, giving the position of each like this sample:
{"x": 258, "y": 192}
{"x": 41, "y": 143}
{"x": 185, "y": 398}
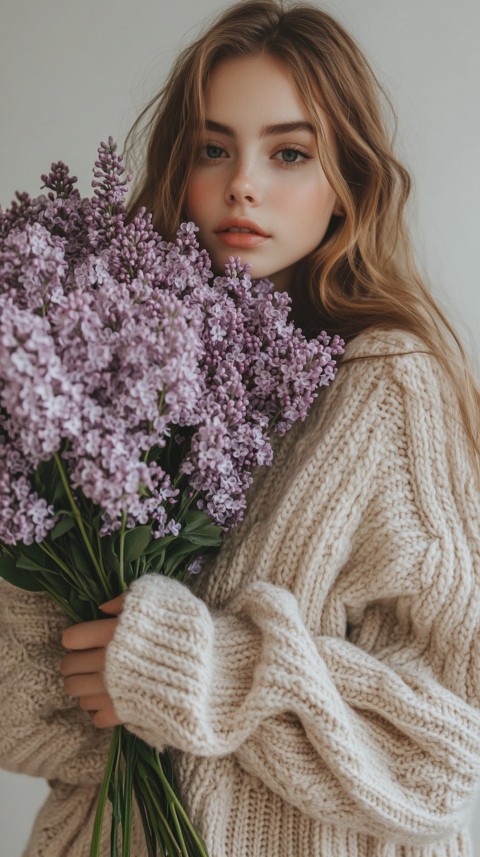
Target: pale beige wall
{"x": 75, "y": 72}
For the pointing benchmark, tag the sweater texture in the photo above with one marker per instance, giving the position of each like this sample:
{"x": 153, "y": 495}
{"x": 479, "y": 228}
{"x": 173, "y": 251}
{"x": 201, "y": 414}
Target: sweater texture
{"x": 319, "y": 681}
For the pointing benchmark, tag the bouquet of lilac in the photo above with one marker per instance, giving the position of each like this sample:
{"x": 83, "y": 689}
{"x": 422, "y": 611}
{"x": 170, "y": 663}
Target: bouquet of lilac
{"x": 138, "y": 393}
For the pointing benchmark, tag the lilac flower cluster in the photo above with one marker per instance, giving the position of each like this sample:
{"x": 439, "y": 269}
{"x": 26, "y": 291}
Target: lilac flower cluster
{"x": 113, "y": 340}
{"x": 261, "y": 374}
{"x": 23, "y": 514}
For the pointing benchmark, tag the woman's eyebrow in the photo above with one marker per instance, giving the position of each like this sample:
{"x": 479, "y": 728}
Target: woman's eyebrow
{"x": 267, "y": 130}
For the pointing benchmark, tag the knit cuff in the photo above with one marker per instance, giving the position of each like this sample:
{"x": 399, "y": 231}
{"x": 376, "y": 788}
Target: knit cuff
{"x": 177, "y": 674}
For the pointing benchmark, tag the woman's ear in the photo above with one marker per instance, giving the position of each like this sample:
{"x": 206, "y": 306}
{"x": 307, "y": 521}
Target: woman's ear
{"x": 338, "y": 209}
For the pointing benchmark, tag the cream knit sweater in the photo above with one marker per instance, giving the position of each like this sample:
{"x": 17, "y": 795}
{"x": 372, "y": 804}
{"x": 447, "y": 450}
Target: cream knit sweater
{"x": 320, "y": 682}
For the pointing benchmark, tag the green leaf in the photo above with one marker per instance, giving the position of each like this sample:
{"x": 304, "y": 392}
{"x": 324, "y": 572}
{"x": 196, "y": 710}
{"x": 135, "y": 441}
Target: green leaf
{"x": 156, "y": 560}
{"x": 26, "y": 563}
{"x": 58, "y": 491}
{"x": 57, "y": 582}
{"x": 38, "y": 484}
{"x": 61, "y": 528}
{"x": 113, "y": 565}
{"x": 30, "y": 557}
{"x": 156, "y": 545}
{"x": 200, "y": 529}
{"x": 18, "y": 577}
{"x": 204, "y": 539}
{"x": 110, "y": 545}
{"x": 33, "y": 551}
{"x": 182, "y": 548}
{"x": 81, "y": 562}
{"x": 85, "y": 612}
{"x": 173, "y": 563}
{"x": 196, "y": 519}
{"x": 45, "y": 479}
{"x": 210, "y": 530}
{"x": 96, "y": 522}
{"x": 110, "y": 561}
{"x": 136, "y": 542}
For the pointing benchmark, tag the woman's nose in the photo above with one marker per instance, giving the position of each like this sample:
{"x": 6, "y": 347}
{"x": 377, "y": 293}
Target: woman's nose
{"x": 243, "y": 187}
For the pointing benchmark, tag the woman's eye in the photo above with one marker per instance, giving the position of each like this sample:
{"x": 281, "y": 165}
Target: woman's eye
{"x": 213, "y": 152}
{"x": 292, "y": 157}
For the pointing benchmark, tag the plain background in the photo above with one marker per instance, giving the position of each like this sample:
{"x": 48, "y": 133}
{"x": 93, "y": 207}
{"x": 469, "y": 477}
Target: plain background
{"x": 74, "y": 73}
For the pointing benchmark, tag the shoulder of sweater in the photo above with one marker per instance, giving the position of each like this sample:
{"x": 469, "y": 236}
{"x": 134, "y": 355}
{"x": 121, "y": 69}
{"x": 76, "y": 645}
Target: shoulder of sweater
{"x": 382, "y": 341}
{"x": 393, "y": 374}
{"x": 408, "y": 386}
{"x": 401, "y": 356}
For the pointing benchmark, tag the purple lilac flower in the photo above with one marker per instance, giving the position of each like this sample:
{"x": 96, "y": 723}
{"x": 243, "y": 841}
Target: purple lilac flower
{"x": 106, "y": 213}
{"x": 261, "y": 374}
{"x": 23, "y": 514}
{"x": 34, "y": 266}
{"x": 38, "y": 395}
{"x": 112, "y": 340}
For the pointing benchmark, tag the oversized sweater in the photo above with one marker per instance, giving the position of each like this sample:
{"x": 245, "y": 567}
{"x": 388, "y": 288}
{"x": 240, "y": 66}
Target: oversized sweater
{"x": 319, "y": 681}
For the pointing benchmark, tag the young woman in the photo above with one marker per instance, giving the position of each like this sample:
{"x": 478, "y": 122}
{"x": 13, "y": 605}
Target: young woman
{"x": 319, "y": 682}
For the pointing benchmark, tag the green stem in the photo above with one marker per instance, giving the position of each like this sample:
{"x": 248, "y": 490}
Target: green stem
{"x": 61, "y": 602}
{"x": 183, "y": 847}
{"x": 164, "y": 834}
{"x": 178, "y": 806}
{"x": 147, "y": 828}
{"x": 161, "y": 400}
{"x": 79, "y": 521}
{"x": 121, "y": 576}
{"x": 98, "y": 823}
{"x": 185, "y": 505}
{"x": 45, "y": 547}
{"x": 5, "y": 549}
{"x": 100, "y": 555}
{"x": 116, "y": 799}
{"x": 129, "y": 756}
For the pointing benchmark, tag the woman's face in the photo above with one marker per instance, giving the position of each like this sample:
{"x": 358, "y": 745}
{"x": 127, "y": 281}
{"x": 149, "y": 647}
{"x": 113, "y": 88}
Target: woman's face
{"x": 259, "y": 170}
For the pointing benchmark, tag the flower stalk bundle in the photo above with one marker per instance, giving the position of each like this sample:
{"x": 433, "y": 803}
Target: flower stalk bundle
{"x": 138, "y": 393}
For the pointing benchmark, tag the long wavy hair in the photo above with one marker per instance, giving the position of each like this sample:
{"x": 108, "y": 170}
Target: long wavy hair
{"x": 363, "y": 272}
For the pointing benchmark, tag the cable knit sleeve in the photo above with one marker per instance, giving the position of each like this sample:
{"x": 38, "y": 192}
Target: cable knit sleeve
{"x": 43, "y": 732}
{"x": 345, "y": 676}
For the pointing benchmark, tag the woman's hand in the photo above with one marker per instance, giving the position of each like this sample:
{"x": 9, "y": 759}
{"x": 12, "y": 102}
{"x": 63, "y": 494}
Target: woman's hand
{"x": 85, "y": 663}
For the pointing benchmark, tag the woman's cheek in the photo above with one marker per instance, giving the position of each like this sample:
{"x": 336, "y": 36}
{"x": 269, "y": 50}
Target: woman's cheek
{"x": 197, "y": 199}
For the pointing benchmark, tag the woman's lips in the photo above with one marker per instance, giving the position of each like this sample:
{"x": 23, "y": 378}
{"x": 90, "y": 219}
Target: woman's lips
{"x": 241, "y": 239}
{"x": 240, "y": 232}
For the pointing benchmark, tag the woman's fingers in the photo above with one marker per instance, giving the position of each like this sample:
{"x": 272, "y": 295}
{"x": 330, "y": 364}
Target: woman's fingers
{"x": 88, "y": 661}
{"x": 101, "y": 710}
{"x": 84, "y": 685}
{"x": 84, "y": 667}
{"x": 95, "y": 702}
{"x": 89, "y": 635}
{"x": 115, "y": 605}
{"x": 105, "y": 718}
